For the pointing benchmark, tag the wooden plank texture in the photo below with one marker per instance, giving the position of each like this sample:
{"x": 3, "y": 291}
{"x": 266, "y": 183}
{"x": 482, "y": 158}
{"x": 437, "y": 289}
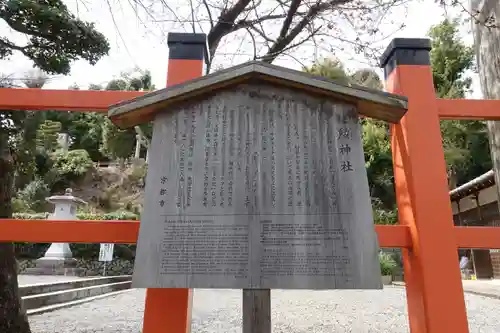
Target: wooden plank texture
{"x": 256, "y": 311}
{"x": 257, "y": 187}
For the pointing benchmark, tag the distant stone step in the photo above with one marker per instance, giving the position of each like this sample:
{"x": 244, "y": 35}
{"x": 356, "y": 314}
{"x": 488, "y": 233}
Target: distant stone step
{"x": 42, "y": 288}
{"x": 65, "y": 271}
{"x": 39, "y": 298}
{"x": 50, "y": 308}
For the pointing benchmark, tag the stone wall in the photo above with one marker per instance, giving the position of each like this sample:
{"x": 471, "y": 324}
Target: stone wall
{"x": 494, "y": 254}
{"x": 495, "y": 263}
{"x": 91, "y": 267}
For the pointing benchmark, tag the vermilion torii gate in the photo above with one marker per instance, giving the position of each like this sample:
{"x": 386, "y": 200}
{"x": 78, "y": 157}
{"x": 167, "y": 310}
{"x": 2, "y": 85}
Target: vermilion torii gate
{"x": 426, "y": 232}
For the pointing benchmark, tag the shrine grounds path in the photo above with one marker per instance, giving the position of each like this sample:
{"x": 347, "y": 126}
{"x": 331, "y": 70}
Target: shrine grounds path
{"x": 219, "y": 311}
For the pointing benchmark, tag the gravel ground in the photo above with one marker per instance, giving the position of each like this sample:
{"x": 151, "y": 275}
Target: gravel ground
{"x": 293, "y": 312}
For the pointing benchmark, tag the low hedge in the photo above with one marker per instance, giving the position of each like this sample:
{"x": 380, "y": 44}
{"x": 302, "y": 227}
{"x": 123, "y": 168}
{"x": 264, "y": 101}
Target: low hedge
{"x": 81, "y": 216}
{"x": 83, "y": 251}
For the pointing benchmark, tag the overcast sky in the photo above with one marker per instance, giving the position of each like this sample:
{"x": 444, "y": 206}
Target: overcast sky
{"x": 142, "y": 43}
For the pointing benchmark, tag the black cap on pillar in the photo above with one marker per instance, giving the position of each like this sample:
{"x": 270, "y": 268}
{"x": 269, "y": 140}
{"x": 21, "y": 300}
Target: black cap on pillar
{"x": 405, "y": 51}
{"x": 187, "y": 46}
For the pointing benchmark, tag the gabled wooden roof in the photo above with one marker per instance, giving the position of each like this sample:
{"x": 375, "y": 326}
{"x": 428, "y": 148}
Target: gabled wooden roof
{"x": 370, "y": 102}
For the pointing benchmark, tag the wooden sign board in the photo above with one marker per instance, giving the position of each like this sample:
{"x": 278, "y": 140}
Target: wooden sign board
{"x": 257, "y": 186}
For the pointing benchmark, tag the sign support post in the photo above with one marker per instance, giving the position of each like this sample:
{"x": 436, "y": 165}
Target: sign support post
{"x": 256, "y": 310}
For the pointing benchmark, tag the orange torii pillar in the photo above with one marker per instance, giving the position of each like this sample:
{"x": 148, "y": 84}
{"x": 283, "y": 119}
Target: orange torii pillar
{"x": 169, "y": 310}
{"x": 433, "y": 282}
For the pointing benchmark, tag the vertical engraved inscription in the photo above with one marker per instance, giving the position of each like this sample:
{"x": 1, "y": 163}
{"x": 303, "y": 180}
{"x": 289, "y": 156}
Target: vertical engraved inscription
{"x": 257, "y": 187}
{"x": 247, "y": 153}
{"x": 206, "y": 146}
{"x": 289, "y": 159}
{"x": 232, "y": 155}
{"x": 179, "y": 199}
{"x": 223, "y": 174}
{"x": 190, "y": 157}
{"x": 272, "y": 143}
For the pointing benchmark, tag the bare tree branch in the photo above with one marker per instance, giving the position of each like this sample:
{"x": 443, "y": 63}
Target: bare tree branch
{"x": 289, "y": 17}
{"x": 192, "y": 16}
{"x": 282, "y": 42}
{"x": 265, "y": 30}
{"x": 271, "y": 56}
{"x": 253, "y": 43}
{"x": 224, "y": 24}
{"x": 248, "y": 23}
{"x": 261, "y": 33}
{"x": 209, "y": 12}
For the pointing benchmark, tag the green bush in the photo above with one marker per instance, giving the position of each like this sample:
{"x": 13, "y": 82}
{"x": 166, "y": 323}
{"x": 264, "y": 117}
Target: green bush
{"x": 25, "y": 250}
{"x": 29, "y": 216}
{"x": 19, "y": 205}
{"x": 72, "y": 165}
{"x": 384, "y": 216}
{"x": 32, "y": 196}
{"x": 84, "y": 251}
{"x": 387, "y": 263}
{"x": 120, "y": 215}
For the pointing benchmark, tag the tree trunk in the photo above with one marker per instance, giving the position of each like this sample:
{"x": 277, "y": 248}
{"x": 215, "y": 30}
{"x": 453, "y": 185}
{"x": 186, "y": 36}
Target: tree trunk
{"x": 13, "y": 318}
{"x": 487, "y": 47}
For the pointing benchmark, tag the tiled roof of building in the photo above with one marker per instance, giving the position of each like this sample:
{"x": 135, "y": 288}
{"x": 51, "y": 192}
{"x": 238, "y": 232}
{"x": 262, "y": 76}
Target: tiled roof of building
{"x": 477, "y": 184}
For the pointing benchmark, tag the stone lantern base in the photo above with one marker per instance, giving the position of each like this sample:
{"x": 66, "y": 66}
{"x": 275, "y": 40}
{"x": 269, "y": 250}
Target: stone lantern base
{"x": 58, "y": 260}
{"x": 55, "y": 266}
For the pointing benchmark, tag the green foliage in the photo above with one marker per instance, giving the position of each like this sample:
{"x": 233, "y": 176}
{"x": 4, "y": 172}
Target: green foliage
{"x": 450, "y": 59}
{"x": 119, "y": 215}
{"x": 24, "y": 143}
{"x": 31, "y": 216}
{"x": 84, "y": 129}
{"x": 91, "y": 251}
{"x": 387, "y": 263}
{"x": 32, "y": 197}
{"x": 24, "y": 250}
{"x": 465, "y": 143}
{"x": 378, "y": 162}
{"x": 367, "y": 77}
{"x": 117, "y": 143}
{"x": 47, "y": 135}
{"x": 94, "y": 86}
{"x": 329, "y": 68}
{"x": 72, "y": 165}
{"x": 55, "y": 36}
{"x": 382, "y": 215}
{"x": 87, "y": 251}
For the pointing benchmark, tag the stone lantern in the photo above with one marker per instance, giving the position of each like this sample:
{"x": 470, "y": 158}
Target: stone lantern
{"x": 58, "y": 260}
